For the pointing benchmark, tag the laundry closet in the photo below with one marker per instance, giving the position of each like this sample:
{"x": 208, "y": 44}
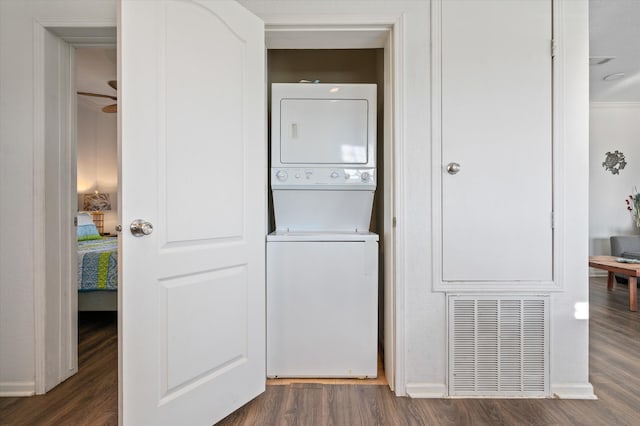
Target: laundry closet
{"x": 325, "y": 254}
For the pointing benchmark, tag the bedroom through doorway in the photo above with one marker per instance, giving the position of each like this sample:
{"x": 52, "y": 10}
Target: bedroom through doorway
{"x": 97, "y": 190}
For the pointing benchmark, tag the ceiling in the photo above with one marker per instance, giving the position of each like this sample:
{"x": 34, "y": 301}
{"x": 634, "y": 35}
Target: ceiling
{"x": 94, "y": 68}
{"x": 614, "y": 31}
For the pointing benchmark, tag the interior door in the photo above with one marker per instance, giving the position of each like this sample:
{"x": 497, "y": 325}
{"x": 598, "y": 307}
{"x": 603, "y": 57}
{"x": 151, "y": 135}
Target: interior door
{"x": 497, "y": 126}
{"x": 193, "y": 166}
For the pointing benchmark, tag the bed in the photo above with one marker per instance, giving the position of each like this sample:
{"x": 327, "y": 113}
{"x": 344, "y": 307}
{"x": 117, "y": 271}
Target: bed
{"x": 97, "y": 268}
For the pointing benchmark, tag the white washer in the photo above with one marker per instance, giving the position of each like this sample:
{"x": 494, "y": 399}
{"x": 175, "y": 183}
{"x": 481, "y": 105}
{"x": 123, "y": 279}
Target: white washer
{"x": 322, "y": 305}
{"x": 322, "y": 263}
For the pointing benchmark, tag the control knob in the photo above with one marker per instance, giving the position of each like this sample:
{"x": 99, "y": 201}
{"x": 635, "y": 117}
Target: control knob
{"x": 282, "y": 175}
{"x": 365, "y": 176}
{"x": 334, "y": 175}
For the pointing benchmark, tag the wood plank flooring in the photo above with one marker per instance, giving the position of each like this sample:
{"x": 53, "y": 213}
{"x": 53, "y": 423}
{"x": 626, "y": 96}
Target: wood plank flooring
{"x": 89, "y": 398}
{"x": 614, "y": 372}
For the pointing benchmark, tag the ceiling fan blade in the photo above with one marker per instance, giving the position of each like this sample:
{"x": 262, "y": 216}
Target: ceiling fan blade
{"x": 97, "y": 95}
{"x": 113, "y": 84}
{"x": 110, "y": 108}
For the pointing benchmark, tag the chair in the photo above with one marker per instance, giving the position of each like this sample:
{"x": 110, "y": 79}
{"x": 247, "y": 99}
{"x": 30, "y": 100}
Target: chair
{"x": 625, "y": 246}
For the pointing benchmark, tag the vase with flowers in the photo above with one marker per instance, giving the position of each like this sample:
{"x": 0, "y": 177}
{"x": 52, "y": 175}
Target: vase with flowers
{"x": 633, "y": 205}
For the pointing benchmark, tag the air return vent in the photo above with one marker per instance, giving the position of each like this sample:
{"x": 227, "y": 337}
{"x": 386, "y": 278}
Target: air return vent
{"x": 498, "y": 346}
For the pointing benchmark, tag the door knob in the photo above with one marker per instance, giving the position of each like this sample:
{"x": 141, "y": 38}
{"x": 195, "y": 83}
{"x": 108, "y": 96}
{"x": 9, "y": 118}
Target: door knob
{"x": 453, "y": 168}
{"x": 140, "y": 228}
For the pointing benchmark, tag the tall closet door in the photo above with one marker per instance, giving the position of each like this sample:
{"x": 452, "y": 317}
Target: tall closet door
{"x": 496, "y": 122}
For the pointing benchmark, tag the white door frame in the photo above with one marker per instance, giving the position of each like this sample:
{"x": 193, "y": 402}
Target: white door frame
{"x": 73, "y": 33}
{"x": 286, "y": 32}
{"x": 395, "y": 235}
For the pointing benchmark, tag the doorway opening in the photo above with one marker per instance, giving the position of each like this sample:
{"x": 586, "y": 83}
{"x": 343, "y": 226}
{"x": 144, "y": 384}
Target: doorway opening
{"x": 97, "y": 175}
{"x": 70, "y": 126}
{"x": 97, "y": 189}
{"x": 356, "y": 59}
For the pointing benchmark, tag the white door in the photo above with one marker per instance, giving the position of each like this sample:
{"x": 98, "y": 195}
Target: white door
{"x": 193, "y": 164}
{"x": 497, "y": 124}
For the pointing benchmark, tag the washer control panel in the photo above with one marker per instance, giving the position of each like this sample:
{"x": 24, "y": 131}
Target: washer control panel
{"x": 320, "y": 176}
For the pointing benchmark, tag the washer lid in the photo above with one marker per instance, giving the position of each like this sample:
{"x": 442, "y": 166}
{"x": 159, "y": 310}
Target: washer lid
{"x": 323, "y": 236}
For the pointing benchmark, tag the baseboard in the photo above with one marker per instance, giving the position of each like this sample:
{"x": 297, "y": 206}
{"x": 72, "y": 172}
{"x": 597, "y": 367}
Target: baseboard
{"x": 427, "y": 390}
{"x": 17, "y": 389}
{"x": 561, "y": 391}
{"x": 573, "y": 391}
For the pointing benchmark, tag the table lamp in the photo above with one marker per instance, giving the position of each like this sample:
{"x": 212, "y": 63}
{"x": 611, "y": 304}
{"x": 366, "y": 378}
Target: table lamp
{"x": 96, "y": 203}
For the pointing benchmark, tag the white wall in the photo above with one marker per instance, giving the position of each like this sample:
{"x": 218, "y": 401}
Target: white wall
{"x": 421, "y": 311}
{"x": 97, "y": 157}
{"x": 87, "y": 158}
{"x": 18, "y": 145}
{"x": 612, "y": 126}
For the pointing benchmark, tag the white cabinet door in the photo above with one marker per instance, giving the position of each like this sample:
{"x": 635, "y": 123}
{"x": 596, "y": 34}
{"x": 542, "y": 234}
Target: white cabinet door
{"x": 193, "y": 164}
{"x": 497, "y": 125}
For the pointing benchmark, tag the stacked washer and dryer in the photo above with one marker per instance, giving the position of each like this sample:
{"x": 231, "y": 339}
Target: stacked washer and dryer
{"x": 322, "y": 261}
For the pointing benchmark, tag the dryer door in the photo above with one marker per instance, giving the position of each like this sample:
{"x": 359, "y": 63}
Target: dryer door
{"x": 323, "y": 131}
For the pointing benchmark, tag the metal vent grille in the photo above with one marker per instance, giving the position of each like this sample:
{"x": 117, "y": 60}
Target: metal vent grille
{"x": 498, "y": 346}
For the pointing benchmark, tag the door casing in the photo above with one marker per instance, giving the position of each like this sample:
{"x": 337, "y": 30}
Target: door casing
{"x": 71, "y": 34}
{"x": 325, "y": 36}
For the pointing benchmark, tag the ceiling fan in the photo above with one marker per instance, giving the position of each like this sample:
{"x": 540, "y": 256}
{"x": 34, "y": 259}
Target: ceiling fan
{"x": 108, "y": 108}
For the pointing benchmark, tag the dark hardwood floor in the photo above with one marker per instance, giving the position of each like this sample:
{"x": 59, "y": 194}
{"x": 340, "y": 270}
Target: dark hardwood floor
{"x": 89, "y": 398}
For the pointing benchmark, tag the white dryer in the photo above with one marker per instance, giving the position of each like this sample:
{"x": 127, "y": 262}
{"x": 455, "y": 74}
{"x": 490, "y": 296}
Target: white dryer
{"x": 322, "y": 261}
{"x": 323, "y": 156}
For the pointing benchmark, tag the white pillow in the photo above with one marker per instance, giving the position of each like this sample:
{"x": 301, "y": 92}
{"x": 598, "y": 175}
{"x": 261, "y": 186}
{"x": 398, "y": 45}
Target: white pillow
{"x": 84, "y": 219}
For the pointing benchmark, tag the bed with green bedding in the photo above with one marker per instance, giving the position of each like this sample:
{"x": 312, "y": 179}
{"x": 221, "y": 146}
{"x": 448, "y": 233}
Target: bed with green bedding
{"x": 98, "y": 264}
